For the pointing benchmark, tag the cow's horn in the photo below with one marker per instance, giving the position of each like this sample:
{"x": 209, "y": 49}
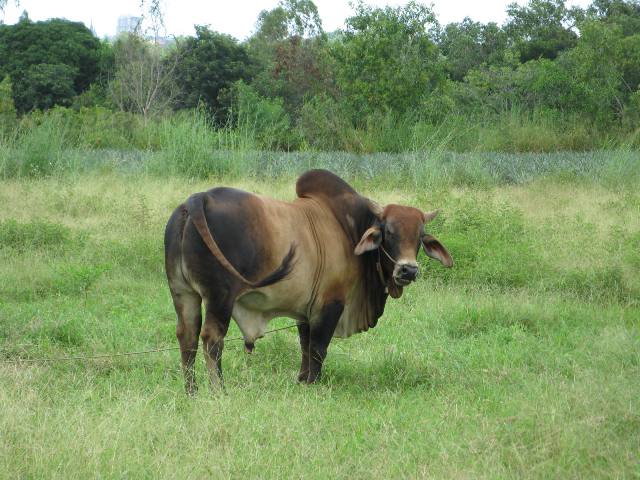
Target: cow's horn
{"x": 429, "y": 216}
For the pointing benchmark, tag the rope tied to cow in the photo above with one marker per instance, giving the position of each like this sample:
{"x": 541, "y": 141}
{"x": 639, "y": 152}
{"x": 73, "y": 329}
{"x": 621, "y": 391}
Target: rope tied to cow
{"x": 393, "y": 260}
{"x": 121, "y": 354}
{"x": 379, "y": 264}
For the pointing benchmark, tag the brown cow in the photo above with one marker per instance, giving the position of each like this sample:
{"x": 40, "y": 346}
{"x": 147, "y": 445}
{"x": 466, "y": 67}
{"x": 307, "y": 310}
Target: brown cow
{"x": 328, "y": 260}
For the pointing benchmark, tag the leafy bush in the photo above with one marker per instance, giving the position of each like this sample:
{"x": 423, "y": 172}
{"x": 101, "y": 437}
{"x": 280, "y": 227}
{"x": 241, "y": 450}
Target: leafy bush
{"x": 261, "y": 118}
{"x": 325, "y": 125}
{"x": 44, "y": 85}
{"x": 207, "y": 64}
{"x": 7, "y": 109}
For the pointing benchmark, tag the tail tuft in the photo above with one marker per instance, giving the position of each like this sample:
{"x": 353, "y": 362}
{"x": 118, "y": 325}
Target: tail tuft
{"x": 282, "y": 271}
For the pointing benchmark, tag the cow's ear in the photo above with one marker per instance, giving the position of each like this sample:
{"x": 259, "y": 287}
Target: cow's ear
{"x": 370, "y": 240}
{"x": 434, "y": 249}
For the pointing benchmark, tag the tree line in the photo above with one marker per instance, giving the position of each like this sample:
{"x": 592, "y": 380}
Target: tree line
{"x": 297, "y": 86}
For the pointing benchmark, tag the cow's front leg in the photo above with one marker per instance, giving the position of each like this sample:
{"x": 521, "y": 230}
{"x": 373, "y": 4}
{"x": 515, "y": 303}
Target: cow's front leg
{"x": 320, "y": 333}
{"x": 304, "y": 334}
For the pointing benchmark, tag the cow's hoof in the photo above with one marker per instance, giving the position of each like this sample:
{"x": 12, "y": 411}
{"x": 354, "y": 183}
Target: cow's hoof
{"x": 303, "y": 377}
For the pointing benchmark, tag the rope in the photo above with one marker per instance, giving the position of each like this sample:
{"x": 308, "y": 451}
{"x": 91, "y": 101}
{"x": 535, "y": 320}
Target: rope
{"x": 395, "y": 262}
{"x": 121, "y": 354}
{"x": 379, "y": 264}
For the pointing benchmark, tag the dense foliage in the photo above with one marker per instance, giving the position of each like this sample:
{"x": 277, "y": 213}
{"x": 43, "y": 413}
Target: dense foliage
{"x": 48, "y": 62}
{"x": 207, "y": 64}
{"x": 387, "y": 58}
{"x": 551, "y": 77}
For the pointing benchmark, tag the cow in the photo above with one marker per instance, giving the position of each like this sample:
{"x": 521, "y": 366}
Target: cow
{"x": 329, "y": 259}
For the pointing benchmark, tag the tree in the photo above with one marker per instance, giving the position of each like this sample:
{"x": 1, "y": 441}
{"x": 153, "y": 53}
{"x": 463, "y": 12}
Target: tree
{"x": 44, "y": 85}
{"x": 608, "y": 65}
{"x": 624, "y": 13}
{"x": 619, "y": 21}
{"x": 27, "y": 44}
{"x": 301, "y": 68}
{"x": 143, "y": 81}
{"x": 265, "y": 118}
{"x": 290, "y": 18}
{"x": 290, "y": 48}
{"x": 209, "y": 63}
{"x": 469, "y": 44}
{"x": 387, "y": 58}
{"x": 541, "y": 29}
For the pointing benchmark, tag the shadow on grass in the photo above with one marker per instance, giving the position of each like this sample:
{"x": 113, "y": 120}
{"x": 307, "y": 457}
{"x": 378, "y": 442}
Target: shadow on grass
{"x": 397, "y": 374}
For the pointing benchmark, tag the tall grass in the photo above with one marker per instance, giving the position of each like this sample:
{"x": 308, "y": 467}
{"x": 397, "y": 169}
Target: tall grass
{"x": 62, "y": 140}
{"x": 187, "y": 144}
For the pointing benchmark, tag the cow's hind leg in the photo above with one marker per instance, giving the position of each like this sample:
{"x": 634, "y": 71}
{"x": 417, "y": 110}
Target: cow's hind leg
{"x": 321, "y": 331}
{"x": 216, "y": 324}
{"x": 303, "y": 333}
{"x": 189, "y": 312}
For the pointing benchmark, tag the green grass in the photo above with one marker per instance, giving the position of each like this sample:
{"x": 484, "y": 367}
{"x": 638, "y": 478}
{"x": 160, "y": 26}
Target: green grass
{"x": 521, "y": 361}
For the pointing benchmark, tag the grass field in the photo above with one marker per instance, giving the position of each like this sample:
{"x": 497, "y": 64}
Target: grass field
{"x": 521, "y": 361}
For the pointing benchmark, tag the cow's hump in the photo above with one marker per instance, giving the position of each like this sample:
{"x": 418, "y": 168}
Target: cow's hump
{"x": 320, "y": 182}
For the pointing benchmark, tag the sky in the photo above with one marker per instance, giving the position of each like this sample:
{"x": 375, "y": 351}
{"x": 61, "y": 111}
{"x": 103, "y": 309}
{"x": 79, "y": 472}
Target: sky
{"x": 235, "y": 17}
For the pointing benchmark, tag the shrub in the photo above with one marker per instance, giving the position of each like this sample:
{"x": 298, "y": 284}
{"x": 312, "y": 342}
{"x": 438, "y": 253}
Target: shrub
{"x": 7, "y": 109}
{"x": 261, "y": 118}
{"x": 325, "y": 124}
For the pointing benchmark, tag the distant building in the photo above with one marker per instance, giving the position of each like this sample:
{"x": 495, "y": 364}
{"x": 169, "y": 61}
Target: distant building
{"x": 93, "y": 30}
{"x": 127, "y": 24}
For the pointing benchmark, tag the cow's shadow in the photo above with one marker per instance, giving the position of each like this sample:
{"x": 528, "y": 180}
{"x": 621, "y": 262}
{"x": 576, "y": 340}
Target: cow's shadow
{"x": 390, "y": 374}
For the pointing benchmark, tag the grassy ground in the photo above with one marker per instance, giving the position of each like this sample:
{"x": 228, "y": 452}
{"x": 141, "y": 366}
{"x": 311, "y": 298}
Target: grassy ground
{"x": 522, "y": 361}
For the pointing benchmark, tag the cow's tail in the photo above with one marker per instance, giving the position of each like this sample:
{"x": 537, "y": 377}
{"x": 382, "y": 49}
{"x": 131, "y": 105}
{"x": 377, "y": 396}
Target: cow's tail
{"x": 195, "y": 209}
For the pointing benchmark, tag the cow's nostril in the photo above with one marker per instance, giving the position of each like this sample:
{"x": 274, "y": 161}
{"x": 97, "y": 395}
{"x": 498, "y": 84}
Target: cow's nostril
{"x": 409, "y": 271}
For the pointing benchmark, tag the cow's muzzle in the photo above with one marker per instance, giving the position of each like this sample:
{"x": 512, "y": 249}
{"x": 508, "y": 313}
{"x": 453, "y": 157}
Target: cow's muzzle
{"x": 405, "y": 273}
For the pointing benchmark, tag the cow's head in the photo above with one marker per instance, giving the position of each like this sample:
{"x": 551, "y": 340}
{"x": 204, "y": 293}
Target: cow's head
{"x": 397, "y": 234}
